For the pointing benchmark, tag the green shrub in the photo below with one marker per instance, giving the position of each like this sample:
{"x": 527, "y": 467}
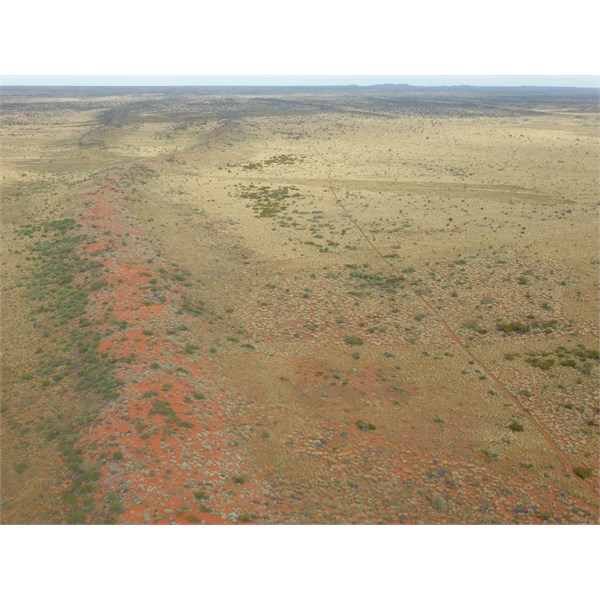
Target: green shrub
{"x": 583, "y": 472}
{"x": 583, "y": 354}
{"x": 116, "y": 507}
{"x": 516, "y": 426}
{"x": 512, "y": 327}
{"x": 363, "y": 426}
{"x": 473, "y": 325}
{"x": 545, "y": 365}
{"x": 162, "y": 407}
{"x": 192, "y": 518}
{"x": 98, "y": 284}
{"x": 568, "y": 363}
{"x": 20, "y": 468}
{"x": 75, "y": 518}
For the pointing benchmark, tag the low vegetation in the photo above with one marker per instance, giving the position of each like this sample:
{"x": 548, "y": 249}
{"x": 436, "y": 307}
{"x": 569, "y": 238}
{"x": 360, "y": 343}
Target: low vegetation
{"x": 59, "y": 287}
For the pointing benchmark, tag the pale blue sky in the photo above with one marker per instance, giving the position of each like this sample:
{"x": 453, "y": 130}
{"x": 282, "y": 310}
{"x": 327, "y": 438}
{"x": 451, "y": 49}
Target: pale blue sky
{"x": 427, "y": 80}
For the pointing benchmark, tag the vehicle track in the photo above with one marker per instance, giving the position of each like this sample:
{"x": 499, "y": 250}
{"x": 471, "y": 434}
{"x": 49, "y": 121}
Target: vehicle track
{"x": 569, "y": 466}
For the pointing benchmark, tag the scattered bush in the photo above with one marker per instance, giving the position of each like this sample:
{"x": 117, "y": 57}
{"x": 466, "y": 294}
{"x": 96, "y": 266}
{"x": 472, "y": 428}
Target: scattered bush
{"x": 20, "y": 468}
{"x": 473, "y": 325}
{"x": 192, "y": 518}
{"x": 163, "y": 408}
{"x": 513, "y": 327}
{"x": 363, "y": 426}
{"x": 583, "y": 472}
{"x": 545, "y": 364}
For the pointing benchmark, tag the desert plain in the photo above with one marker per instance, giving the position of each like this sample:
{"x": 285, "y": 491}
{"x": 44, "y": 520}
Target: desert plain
{"x": 300, "y": 306}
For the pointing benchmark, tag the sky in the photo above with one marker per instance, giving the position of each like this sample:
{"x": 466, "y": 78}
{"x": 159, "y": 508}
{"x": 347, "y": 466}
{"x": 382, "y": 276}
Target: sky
{"x": 285, "y": 80}
{"x": 266, "y": 42}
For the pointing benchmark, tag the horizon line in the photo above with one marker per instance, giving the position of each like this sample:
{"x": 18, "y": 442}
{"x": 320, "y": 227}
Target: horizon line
{"x": 289, "y": 85}
{"x": 467, "y": 81}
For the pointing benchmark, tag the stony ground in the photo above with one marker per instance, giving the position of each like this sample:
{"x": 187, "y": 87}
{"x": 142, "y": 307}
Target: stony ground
{"x": 299, "y": 309}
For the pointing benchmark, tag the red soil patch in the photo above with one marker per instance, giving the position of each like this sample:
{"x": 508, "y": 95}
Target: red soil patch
{"x": 164, "y": 441}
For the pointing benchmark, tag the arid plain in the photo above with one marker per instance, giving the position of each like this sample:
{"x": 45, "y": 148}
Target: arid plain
{"x": 299, "y": 306}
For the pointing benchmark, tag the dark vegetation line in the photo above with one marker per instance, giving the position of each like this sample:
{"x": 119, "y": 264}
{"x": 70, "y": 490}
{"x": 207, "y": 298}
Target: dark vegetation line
{"x": 79, "y": 379}
{"x": 73, "y": 372}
